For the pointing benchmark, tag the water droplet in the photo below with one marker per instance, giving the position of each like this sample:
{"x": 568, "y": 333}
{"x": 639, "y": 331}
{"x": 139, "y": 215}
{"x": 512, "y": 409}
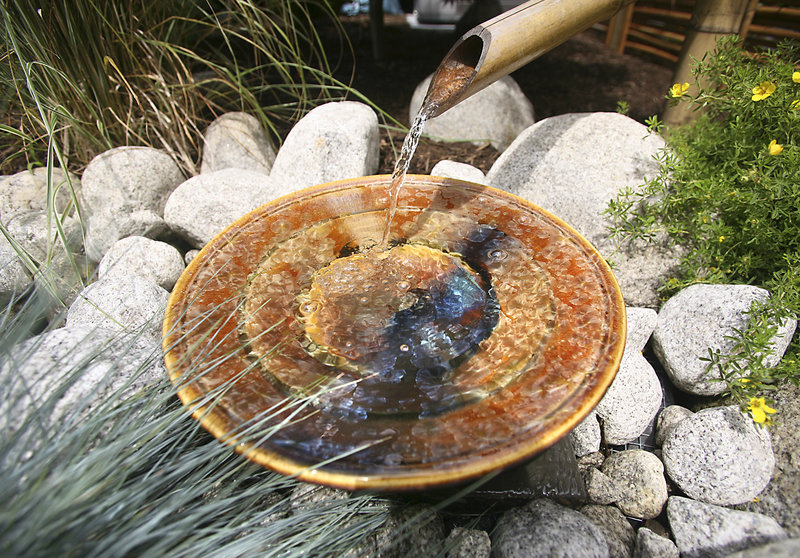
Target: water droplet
{"x": 348, "y": 345}
{"x": 363, "y": 300}
{"x": 498, "y": 255}
{"x": 309, "y": 307}
{"x": 403, "y": 285}
{"x": 404, "y": 348}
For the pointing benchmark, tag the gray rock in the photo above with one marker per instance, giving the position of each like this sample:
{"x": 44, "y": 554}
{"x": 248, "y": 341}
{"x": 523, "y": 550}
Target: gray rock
{"x": 127, "y": 303}
{"x": 468, "y": 543}
{"x": 590, "y": 460}
{"x": 641, "y": 476}
{"x": 125, "y": 190}
{"x": 641, "y": 323}
{"x": 634, "y": 397}
{"x": 423, "y": 533}
{"x": 547, "y": 530}
{"x": 189, "y": 255}
{"x": 425, "y": 530}
{"x": 659, "y": 528}
{"x": 632, "y": 400}
{"x": 706, "y": 531}
{"x": 699, "y": 319}
{"x": 416, "y": 530}
{"x": 787, "y": 548}
{"x": 332, "y": 142}
{"x": 460, "y": 171}
{"x": 779, "y": 500}
{"x": 668, "y": 418}
{"x": 650, "y": 545}
{"x": 59, "y": 281}
{"x": 105, "y": 229}
{"x": 497, "y": 115}
{"x": 153, "y": 260}
{"x": 60, "y": 268}
{"x": 236, "y": 140}
{"x": 72, "y": 370}
{"x": 601, "y": 488}
{"x": 616, "y": 529}
{"x": 28, "y": 190}
{"x": 586, "y": 436}
{"x": 206, "y": 204}
{"x": 421, "y": 527}
{"x": 14, "y": 277}
{"x": 39, "y": 236}
{"x": 719, "y": 455}
{"x": 308, "y": 497}
{"x": 572, "y": 165}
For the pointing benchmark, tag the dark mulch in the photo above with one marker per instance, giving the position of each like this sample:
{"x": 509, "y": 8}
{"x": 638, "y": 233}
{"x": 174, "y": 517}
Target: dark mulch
{"x": 582, "y": 75}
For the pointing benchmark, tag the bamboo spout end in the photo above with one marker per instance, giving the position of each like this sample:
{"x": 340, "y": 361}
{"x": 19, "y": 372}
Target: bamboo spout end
{"x": 451, "y": 81}
{"x": 507, "y": 42}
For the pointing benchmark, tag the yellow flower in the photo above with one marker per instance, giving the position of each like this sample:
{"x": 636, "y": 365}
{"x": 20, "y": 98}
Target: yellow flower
{"x": 796, "y": 77}
{"x": 774, "y": 148}
{"x": 761, "y": 92}
{"x": 796, "y": 104}
{"x": 758, "y": 408}
{"x": 721, "y": 238}
{"x": 679, "y": 90}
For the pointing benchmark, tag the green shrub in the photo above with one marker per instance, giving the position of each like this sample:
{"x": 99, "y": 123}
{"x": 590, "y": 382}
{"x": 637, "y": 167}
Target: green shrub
{"x": 729, "y": 191}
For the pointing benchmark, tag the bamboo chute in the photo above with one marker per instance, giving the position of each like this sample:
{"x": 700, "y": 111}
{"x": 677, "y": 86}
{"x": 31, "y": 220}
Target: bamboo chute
{"x": 507, "y": 42}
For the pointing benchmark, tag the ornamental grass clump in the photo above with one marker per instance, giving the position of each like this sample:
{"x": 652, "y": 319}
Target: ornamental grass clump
{"x": 104, "y": 74}
{"x": 78, "y": 78}
{"x": 124, "y": 469}
{"x": 728, "y": 190}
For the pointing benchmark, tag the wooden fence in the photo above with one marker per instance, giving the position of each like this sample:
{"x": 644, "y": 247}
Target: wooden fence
{"x": 658, "y": 27}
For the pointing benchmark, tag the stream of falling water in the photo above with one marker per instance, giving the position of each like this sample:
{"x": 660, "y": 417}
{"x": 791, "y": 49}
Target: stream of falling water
{"x": 403, "y": 162}
{"x": 450, "y": 79}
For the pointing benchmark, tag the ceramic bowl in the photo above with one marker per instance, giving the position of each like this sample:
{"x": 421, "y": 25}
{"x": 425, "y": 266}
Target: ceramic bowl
{"x": 481, "y": 332}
